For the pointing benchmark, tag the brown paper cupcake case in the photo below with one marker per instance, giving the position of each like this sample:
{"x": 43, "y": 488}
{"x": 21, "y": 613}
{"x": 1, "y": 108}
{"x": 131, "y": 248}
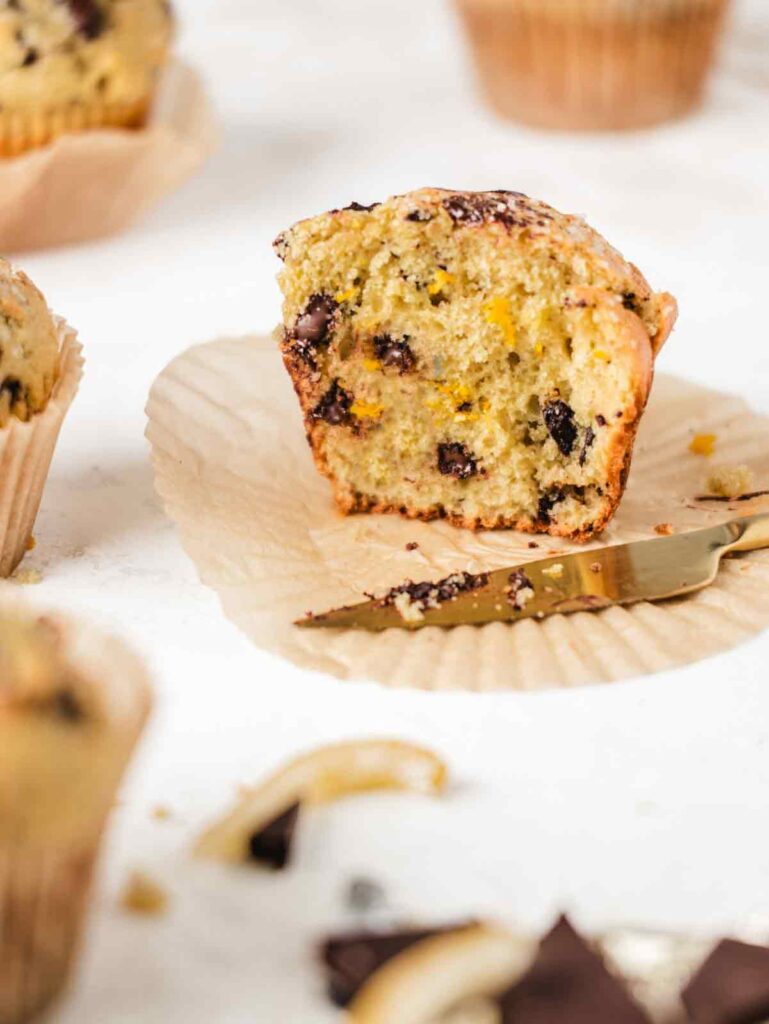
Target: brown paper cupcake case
{"x": 22, "y": 131}
{"x": 51, "y": 821}
{"x": 593, "y": 64}
{"x": 26, "y": 450}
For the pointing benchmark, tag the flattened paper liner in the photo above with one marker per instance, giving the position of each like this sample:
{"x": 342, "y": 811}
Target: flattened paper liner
{"x": 234, "y": 471}
{"x": 26, "y": 450}
{"x": 90, "y": 184}
{"x": 52, "y": 817}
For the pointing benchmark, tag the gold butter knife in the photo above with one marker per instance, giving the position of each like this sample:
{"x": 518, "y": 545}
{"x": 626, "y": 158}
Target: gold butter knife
{"x": 648, "y": 570}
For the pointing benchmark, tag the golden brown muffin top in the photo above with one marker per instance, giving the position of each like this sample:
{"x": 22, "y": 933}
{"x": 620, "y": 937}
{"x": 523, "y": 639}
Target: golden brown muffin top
{"x": 29, "y": 347}
{"x": 58, "y": 52}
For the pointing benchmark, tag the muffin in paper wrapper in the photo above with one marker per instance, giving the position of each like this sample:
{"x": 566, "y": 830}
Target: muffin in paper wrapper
{"x": 593, "y": 64}
{"x": 60, "y": 767}
{"x": 258, "y": 520}
{"x": 26, "y": 450}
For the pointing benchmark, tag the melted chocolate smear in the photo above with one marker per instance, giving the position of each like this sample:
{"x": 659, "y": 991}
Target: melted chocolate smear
{"x": 14, "y": 387}
{"x": 455, "y": 459}
{"x": 360, "y": 208}
{"x": 395, "y": 352}
{"x": 272, "y": 844}
{"x": 513, "y": 209}
{"x": 731, "y": 987}
{"x": 517, "y": 581}
{"x": 434, "y": 594}
{"x": 334, "y": 406}
{"x": 569, "y": 982}
{"x": 90, "y": 19}
{"x": 559, "y": 420}
{"x": 420, "y": 216}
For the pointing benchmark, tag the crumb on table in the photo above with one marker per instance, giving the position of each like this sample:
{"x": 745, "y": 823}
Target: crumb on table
{"x": 143, "y": 895}
{"x": 730, "y": 481}
{"x": 664, "y": 529}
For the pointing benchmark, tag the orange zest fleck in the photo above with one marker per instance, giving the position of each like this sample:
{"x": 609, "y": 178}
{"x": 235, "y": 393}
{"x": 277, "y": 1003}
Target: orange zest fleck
{"x": 702, "y": 444}
{"x": 366, "y": 410}
{"x": 498, "y": 312}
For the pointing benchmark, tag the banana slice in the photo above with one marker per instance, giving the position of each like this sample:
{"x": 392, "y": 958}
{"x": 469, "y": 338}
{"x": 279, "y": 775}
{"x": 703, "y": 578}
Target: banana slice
{"x": 428, "y": 980}
{"x": 323, "y": 775}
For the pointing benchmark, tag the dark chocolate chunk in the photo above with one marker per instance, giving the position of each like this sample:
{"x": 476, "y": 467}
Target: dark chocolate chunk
{"x": 629, "y": 300}
{"x": 350, "y": 960}
{"x": 334, "y": 406}
{"x": 360, "y": 208}
{"x": 30, "y": 57}
{"x": 420, "y": 216}
{"x": 455, "y": 459}
{"x": 412, "y": 545}
{"x": 559, "y": 420}
{"x": 589, "y": 438}
{"x": 432, "y": 595}
{"x": 90, "y": 19}
{"x": 518, "y": 581}
{"x": 731, "y": 987}
{"x": 466, "y": 209}
{"x": 600, "y": 420}
{"x": 395, "y": 352}
{"x": 546, "y": 504}
{"x": 569, "y": 982}
{"x": 313, "y": 327}
{"x": 14, "y": 387}
{"x": 272, "y": 844}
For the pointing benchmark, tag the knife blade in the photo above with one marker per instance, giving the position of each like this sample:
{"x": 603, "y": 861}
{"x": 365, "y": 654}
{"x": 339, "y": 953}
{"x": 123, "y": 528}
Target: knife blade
{"x": 649, "y": 570}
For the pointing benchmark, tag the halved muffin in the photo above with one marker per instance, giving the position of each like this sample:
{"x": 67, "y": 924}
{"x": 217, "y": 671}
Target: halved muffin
{"x": 474, "y": 355}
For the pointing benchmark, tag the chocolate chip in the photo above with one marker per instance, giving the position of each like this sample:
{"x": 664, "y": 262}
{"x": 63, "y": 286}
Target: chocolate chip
{"x": 559, "y": 420}
{"x": 455, "y": 459}
{"x": 412, "y": 545}
{"x": 629, "y": 300}
{"x": 90, "y": 19}
{"x": 334, "y": 406}
{"x": 395, "y": 352}
{"x": 731, "y": 987}
{"x": 600, "y": 420}
{"x": 14, "y": 387}
{"x": 313, "y": 328}
{"x": 518, "y": 584}
{"x": 271, "y": 845}
{"x": 30, "y": 57}
{"x": 360, "y": 208}
{"x": 420, "y": 216}
{"x": 351, "y": 959}
{"x": 589, "y": 438}
{"x": 546, "y": 504}
{"x": 569, "y": 982}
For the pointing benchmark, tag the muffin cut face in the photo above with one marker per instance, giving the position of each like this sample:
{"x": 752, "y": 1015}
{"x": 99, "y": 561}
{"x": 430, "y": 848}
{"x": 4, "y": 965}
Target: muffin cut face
{"x": 477, "y": 356}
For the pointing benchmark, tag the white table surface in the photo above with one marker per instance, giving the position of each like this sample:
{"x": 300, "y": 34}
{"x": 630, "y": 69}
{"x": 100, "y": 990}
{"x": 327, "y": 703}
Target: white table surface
{"x": 642, "y": 802}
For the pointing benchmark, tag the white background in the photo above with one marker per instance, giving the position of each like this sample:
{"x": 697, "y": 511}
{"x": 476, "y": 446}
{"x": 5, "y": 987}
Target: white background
{"x": 642, "y": 802}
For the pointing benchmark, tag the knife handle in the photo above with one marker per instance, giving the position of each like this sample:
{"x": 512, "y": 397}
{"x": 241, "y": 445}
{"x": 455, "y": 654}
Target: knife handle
{"x": 750, "y": 533}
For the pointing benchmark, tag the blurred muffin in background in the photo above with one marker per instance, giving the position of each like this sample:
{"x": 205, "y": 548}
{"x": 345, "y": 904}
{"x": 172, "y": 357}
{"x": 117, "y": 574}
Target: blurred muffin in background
{"x": 40, "y": 370}
{"x": 72, "y": 65}
{"x": 593, "y": 65}
{"x": 73, "y": 703}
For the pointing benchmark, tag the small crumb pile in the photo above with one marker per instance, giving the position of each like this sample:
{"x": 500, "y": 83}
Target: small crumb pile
{"x": 731, "y": 482}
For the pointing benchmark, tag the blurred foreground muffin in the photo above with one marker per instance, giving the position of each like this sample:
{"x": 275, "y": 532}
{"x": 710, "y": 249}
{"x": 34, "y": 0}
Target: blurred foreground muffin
{"x": 72, "y": 65}
{"x": 593, "y": 64}
{"x": 72, "y": 705}
{"x": 40, "y": 368}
